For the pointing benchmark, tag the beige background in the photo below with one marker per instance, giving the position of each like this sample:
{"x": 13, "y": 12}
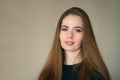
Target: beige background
{"x": 27, "y": 28}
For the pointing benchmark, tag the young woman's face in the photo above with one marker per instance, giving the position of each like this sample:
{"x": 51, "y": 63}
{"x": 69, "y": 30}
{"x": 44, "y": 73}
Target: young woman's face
{"x": 71, "y": 34}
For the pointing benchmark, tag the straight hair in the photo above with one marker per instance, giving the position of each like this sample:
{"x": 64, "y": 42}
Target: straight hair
{"x": 92, "y": 60}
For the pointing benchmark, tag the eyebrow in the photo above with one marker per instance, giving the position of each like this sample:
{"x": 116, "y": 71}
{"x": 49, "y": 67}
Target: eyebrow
{"x": 74, "y": 27}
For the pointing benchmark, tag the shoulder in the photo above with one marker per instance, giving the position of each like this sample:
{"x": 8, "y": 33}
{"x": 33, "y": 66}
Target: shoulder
{"x": 97, "y": 76}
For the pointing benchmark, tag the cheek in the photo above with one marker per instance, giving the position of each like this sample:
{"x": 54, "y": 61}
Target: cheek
{"x": 80, "y": 39}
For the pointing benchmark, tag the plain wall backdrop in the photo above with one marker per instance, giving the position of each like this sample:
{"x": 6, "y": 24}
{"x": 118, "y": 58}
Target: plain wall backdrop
{"x": 27, "y": 29}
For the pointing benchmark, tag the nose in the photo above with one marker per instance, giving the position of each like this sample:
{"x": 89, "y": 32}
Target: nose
{"x": 70, "y": 34}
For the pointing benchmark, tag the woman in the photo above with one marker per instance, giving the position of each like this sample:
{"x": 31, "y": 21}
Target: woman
{"x": 74, "y": 54}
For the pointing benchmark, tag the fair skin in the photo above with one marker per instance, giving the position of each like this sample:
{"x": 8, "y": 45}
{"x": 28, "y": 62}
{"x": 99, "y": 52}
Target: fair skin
{"x": 71, "y": 36}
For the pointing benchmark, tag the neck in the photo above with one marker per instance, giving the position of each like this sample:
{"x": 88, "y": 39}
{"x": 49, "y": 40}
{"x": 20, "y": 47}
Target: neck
{"x": 73, "y": 57}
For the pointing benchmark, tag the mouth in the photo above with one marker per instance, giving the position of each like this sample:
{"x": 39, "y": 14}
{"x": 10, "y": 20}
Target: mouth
{"x": 69, "y": 43}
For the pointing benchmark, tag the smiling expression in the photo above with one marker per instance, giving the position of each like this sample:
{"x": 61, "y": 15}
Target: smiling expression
{"x": 71, "y": 34}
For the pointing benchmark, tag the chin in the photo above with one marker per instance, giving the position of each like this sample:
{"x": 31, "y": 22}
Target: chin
{"x": 69, "y": 49}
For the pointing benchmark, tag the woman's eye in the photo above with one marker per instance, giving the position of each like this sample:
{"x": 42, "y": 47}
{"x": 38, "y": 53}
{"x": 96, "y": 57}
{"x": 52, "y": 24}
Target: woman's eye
{"x": 78, "y": 30}
{"x": 64, "y": 29}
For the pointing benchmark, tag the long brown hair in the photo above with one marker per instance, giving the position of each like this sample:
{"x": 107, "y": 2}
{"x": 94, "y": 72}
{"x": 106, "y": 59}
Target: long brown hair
{"x": 92, "y": 59}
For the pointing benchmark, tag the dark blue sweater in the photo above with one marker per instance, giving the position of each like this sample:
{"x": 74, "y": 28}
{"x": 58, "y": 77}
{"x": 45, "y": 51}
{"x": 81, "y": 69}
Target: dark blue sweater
{"x": 69, "y": 74}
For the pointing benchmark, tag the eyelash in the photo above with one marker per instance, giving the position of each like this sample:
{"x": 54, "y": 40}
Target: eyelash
{"x": 76, "y": 30}
{"x": 64, "y": 29}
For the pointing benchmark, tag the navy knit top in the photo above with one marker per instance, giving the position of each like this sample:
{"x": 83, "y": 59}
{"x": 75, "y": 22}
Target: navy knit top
{"x": 69, "y": 74}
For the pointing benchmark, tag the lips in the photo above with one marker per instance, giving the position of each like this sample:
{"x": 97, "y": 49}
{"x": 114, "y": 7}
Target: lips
{"x": 69, "y": 43}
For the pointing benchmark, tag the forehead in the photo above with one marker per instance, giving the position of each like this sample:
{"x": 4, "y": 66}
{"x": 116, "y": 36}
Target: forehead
{"x": 72, "y": 20}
